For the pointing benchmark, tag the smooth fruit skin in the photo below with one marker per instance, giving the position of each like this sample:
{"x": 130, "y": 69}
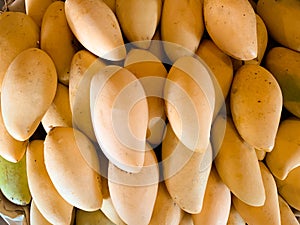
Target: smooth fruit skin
{"x": 71, "y": 160}
{"x": 284, "y": 64}
{"x": 51, "y": 205}
{"x": 60, "y": 48}
{"x": 181, "y": 27}
{"x": 256, "y": 105}
{"x": 13, "y": 181}
{"x": 29, "y": 86}
{"x": 36, "y": 218}
{"x": 232, "y": 26}
{"x": 139, "y": 20}
{"x": 237, "y": 165}
{"x": 285, "y": 156}
{"x": 217, "y": 201}
{"x": 96, "y": 27}
{"x": 17, "y": 33}
{"x": 269, "y": 213}
{"x": 282, "y": 20}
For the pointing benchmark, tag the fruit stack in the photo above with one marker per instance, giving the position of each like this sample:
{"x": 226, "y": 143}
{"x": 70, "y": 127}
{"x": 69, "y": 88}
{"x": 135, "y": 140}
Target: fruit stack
{"x": 182, "y": 112}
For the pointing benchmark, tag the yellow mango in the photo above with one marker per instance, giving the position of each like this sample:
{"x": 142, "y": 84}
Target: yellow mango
{"x": 262, "y": 41}
{"x": 72, "y": 164}
{"x": 36, "y": 9}
{"x": 119, "y": 112}
{"x": 217, "y": 201}
{"x": 129, "y": 190}
{"x": 232, "y": 26}
{"x": 83, "y": 67}
{"x": 59, "y": 112}
{"x": 282, "y": 20}
{"x": 96, "y": 27}
{"x": 285, "y": 155}
{"x": 181, "y": 163}
{"x": 60, "y": 47}
{"x": 234, "y": 217}
{"x": 284, "y": 64}
{"x": 237, "y": 165}
{"x": 36, "y": 218}
{"x": 17, "y": 33}
{"x": 290, "y": 187}
{"x": 287, "y": 216}
{"x": 256, "y": 104}
{"x": 51, "y": 205}
{"x": 151, "y": 73}
{"x": 269, "y": 213}
{"x": 190, "y": 99}
{"x": 182, "y": 27}
{"x": 165, "y": 211}
{"x": 28, "y": 87}
{"x": 138, "y": 20}
{"x": 222, "y": 70}
{"x": 10, "y": 149}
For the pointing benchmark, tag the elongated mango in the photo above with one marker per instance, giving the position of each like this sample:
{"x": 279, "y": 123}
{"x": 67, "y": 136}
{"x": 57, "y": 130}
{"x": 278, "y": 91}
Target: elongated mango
{"x": 17, "y": 33}
{"x": 269, "y": 213}
{"x": 139, "y": 19}
{"x": 36, "y": 218}
{"x": 282, "y": 20}
{"x": 217, "y": 201}
{"x": 232, "y": 26}
{"x": 284, "y": 65}
{"x": 10, "y": 149}
{"x": 182, "y": 27}
{"x": 52, "y": 206}
{"x": 190, "y": 99}
{"x": 285, "y": 155}
{"x": 29, "y": 87}
{"x": 290, "y": 187}
{"x": 59, "y": 112}
{"x": 152, "y": 74}
{"x": 60, "y": 47}
{"x": 96, "y": 27}
{"x": 222, "y": 70}
{"x": 181, "y": 163}
{"x": 71, "y": 161}
{"x": 256, "y": 104}
{"x": 287, "y": 216}
{"x": 237, "y": 165}
{"x": 128, "y": 190}
{"x": 165, "y": 211}
{"x": 119, "y": 112}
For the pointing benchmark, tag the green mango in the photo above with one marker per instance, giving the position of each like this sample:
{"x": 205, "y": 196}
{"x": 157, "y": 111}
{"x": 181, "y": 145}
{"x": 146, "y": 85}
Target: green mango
{"x": 13, "y": 181}
{"x": 91, "y": 218}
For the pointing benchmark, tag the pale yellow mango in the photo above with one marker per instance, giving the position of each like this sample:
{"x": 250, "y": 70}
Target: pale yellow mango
{"x": 237, "y": 165}
{"x": 231, "y": 25}
{"x": 59, "y": 112}
{"x": 28, "y": 90}
{"x": 50, "y": 205}
{"x": 285, "y": 155}
{"x": 182, "y": 27}
{"x": 72, "y": 164}
{"x": 138, "y": 20}
{"x": 282, "y": 20}
{"x": 57, "y": 39}
{"x": 17, "y": 33}
{"x": 217, "y": 201}
{"x": 96, "y": 27}
{"x": 256, "y": 105}
{"x": 269, "y": 213}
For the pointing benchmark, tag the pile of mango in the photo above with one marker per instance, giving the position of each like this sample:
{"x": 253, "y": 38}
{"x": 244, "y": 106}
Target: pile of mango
{"x": 160, "y": 112}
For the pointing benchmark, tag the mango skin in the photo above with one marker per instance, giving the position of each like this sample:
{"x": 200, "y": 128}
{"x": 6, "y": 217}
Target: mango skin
{"x": 13, "y": 181}
{"x": 284, "y": 64}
